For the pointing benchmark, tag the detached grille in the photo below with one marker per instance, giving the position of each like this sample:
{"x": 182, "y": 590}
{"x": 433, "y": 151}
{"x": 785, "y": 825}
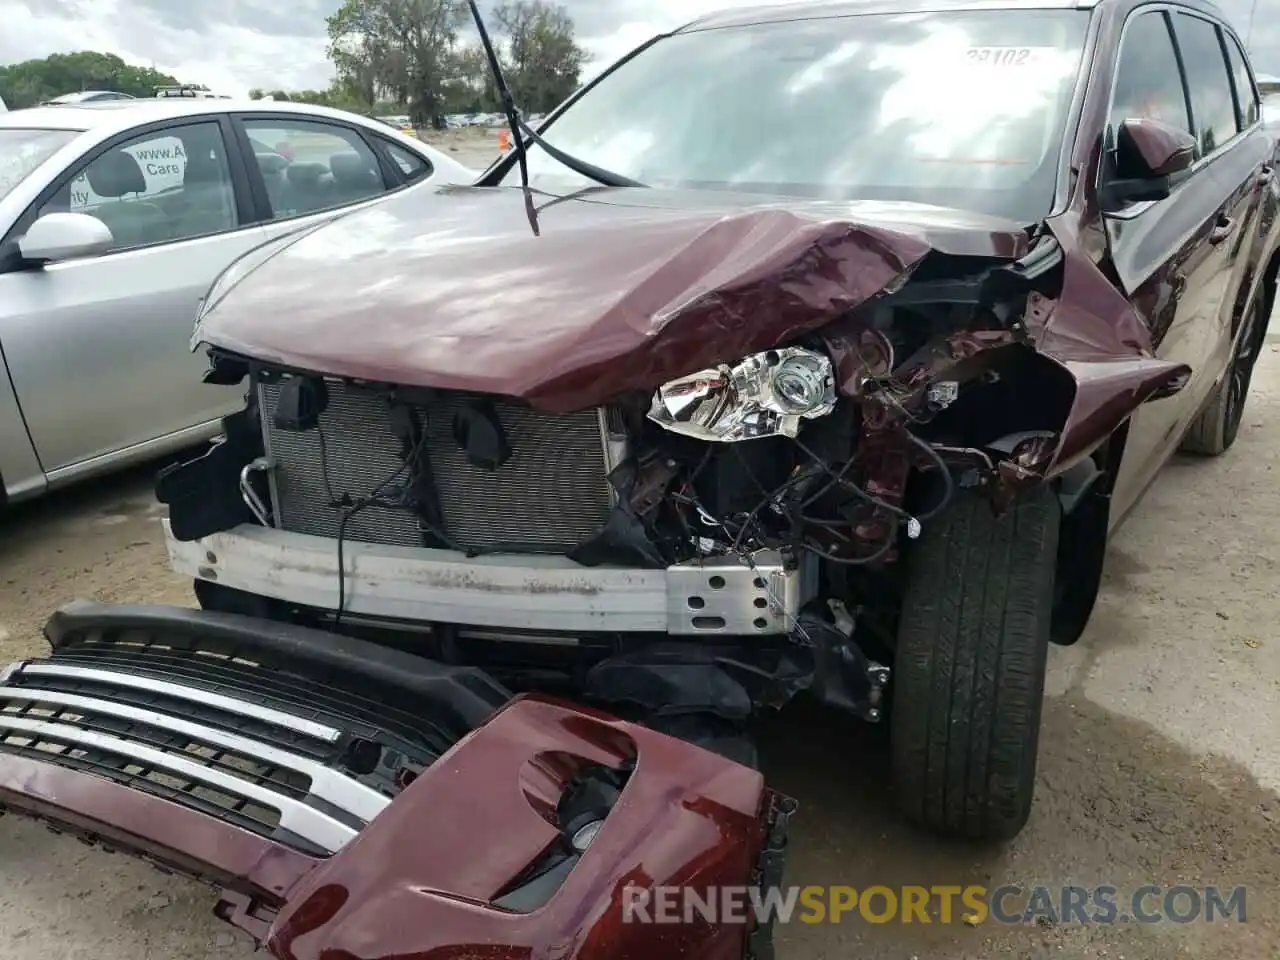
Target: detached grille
{"x": 550, "y": 495}
{"x": 293, "y": 759}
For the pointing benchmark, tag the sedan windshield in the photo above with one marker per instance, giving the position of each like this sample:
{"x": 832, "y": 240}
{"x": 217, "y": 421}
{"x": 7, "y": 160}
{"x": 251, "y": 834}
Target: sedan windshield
{"x": 21, "y": 151}
{"x": 964, "y": 109}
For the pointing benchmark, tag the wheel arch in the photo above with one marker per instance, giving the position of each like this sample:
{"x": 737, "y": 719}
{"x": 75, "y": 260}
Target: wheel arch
{"x": 1082, "y": 541}
{"x": 1270, "y": 277}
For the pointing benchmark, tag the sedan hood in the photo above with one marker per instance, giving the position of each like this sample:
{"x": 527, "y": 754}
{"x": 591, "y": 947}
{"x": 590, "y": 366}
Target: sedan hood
{"x": 570, "y": 300}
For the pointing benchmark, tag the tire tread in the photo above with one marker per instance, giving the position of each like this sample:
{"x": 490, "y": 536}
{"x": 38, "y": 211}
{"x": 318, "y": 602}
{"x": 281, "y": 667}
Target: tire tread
{"x": 969, "y": 674}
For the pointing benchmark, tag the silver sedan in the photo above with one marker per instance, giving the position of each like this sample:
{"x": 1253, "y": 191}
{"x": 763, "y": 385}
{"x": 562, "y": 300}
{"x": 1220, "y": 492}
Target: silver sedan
{"x": 115, "y": 219}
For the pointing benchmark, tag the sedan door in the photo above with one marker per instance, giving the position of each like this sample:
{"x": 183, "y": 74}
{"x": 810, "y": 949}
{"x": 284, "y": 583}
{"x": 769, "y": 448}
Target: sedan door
{"x": 99, "y": 348}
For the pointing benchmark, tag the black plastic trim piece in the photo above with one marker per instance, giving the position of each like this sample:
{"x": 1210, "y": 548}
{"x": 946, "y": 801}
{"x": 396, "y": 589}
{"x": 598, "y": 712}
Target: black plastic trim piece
{"x": 468, "y": 693}
{"x": 769, "y": 869}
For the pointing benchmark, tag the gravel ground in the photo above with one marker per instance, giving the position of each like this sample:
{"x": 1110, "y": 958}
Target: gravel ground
{"x": 474, "y": 147}
{"x": 1159, "y": 759}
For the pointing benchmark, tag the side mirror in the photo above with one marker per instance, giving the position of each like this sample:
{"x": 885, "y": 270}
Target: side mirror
{"x": 64, "y": 236}
{"x": 1147, "y": 149}
{"x": 1149, "y": 158}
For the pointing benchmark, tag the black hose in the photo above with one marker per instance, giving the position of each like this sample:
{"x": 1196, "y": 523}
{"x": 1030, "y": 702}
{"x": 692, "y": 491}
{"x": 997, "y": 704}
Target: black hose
{"x": 852, "y": 487}
{"x": 880, "y": 553}
{"x": 948, "y": 482}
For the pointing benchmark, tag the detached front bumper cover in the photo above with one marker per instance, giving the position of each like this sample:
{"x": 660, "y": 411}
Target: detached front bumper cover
{"x": 143, "y": 732}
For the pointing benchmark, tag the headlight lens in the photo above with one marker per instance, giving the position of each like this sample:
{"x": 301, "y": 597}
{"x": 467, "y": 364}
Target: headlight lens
{"x": 765, "y": 395}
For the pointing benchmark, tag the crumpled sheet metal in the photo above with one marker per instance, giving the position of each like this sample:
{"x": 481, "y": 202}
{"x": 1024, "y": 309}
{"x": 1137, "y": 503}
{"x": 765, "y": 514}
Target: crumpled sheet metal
{"x": 619, "y": 291}
{"x": 458, "y": 292}
{"x": 1100, "y": 339}
{"x": 1090, "y": 331}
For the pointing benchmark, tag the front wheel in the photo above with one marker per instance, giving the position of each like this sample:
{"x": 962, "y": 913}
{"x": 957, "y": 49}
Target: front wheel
{"x": 973, "y": 642}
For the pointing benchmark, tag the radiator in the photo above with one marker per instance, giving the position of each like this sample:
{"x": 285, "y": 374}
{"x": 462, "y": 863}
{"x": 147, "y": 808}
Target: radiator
{"x": 551, "y": 494}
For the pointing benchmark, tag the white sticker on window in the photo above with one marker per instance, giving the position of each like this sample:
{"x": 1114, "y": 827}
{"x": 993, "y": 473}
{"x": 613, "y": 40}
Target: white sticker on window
{"x": 163, "y": 162}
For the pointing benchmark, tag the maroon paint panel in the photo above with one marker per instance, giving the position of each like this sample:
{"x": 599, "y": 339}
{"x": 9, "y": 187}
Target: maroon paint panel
{"x": 593, "y": 295}
{"x": 572, "y": 301}
{"x": 1103, "y": 343}
{"x": 416, "y": 882}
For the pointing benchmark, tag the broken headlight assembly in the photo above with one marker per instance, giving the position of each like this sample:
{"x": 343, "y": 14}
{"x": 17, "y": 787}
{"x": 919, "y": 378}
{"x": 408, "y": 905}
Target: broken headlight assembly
{"x": 766, "y": 395}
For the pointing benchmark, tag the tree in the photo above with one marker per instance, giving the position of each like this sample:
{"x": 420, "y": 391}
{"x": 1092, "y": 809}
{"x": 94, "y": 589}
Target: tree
{"x": 34, "y": 81}
{"x": 543, "y": 61}
{"x": 409, "y": 52}
{"x": 476, "y": 90}
{"x": 404, "y": 48}
{"x": 357, "y": 73}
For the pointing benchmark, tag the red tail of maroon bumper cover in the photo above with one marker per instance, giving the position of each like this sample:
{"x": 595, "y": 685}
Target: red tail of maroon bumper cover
{"x": 420, "y": 879}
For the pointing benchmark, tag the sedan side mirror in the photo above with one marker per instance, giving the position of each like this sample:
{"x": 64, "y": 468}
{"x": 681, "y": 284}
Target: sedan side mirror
{"x": 1150, "y": 157}
{"x": 64, "y": 236}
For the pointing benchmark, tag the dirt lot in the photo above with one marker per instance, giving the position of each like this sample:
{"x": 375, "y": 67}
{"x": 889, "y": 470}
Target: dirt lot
{"x": 1160, "y": 761}
{"x": 476, "y": 147}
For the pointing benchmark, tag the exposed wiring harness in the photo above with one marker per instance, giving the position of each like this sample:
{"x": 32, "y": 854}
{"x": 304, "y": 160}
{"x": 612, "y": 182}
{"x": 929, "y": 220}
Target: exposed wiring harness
{"x": 798, "y": 513}
{"x": 793, "y": 505}
{"x": 352, "y": 506}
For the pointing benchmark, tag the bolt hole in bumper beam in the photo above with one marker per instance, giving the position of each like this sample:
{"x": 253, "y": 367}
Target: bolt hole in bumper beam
{"x": 409, "y": 882}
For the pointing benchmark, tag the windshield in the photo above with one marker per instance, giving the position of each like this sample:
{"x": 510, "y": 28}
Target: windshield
{"x": 21, "y": 151}
{"x": 963, "y": 109}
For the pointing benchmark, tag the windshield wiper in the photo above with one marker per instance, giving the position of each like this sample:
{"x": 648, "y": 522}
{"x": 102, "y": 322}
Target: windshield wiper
{"x": 520, "y": 130}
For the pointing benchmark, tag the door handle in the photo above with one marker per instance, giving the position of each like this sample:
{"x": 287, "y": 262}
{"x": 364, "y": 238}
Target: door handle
{"x": 1221, "y": 230}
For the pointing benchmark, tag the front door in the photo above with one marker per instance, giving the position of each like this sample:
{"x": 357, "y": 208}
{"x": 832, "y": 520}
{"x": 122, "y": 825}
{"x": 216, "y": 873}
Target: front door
{"x": 99, "y": 349}
{"x": 1172, "y": 256}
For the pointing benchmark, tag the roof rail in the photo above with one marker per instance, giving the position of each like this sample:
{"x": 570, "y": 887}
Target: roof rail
{"x": 185, "y": 90}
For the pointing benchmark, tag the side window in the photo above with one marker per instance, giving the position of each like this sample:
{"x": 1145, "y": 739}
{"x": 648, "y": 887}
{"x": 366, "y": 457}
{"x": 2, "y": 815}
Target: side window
{"x": 170, "y": 184}
{"x": 411, "y": 165}
{"x": 1246, "y": 92}
{"x": 1148, "y": 81}
{"x": 310, "y": 165}
{"x": 1213, "y": 106}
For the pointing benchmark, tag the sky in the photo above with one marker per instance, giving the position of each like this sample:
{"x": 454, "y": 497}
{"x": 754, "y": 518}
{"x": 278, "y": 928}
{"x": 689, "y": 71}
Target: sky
{"x": 235, "y": 45}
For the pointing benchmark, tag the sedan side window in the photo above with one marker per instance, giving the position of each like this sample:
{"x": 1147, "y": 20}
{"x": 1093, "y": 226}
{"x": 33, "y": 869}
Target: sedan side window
{"x": 413, "y": 167}
{"x": 1212, "y": 104}
{"x": 1246, "y": 92}
{"x": 310, "y": 166}
{"x": 1149, "y": 82}
{"x": 169, "y": 184}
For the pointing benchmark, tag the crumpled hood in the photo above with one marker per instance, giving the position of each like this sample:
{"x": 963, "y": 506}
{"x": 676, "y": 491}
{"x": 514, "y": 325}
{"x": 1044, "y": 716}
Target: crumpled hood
{"x": 569, "y": 301}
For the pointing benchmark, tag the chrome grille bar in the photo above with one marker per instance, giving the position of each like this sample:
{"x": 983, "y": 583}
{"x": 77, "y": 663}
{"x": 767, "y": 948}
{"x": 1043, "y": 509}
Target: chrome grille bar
{"x": 327, "y": 784}
{"x": 296, "y": 817}
{"x": 206, "y": 698}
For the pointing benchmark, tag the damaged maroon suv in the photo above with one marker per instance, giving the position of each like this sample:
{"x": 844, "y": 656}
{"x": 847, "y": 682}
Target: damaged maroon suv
{"x": 809, "y": 351}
